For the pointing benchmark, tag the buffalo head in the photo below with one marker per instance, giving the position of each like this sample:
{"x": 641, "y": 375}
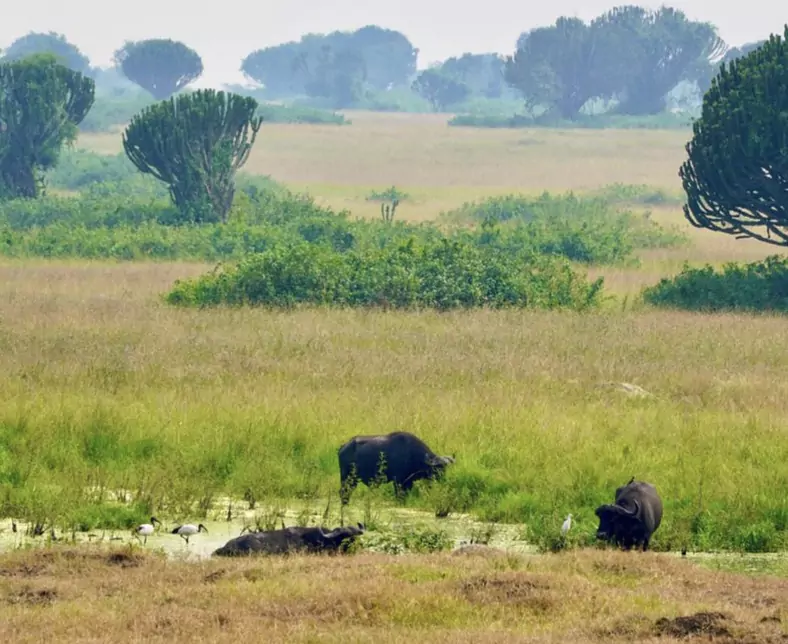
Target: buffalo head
{"x": 438, "y": 464}
{"x": 340, "y": 538}
{"x": 620, "y": 524}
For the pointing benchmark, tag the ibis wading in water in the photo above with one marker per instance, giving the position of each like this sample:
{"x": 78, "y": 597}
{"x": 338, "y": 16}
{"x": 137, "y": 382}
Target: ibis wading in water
{"x": 146, "y": 529}
{"x": 188, "y": 529}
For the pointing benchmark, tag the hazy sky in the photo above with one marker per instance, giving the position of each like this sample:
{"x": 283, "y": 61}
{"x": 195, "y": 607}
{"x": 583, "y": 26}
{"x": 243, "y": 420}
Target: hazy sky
{"x": 229, "y": 30}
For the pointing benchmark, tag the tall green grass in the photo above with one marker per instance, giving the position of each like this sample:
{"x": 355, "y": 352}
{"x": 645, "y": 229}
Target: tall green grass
{"x": 101, "y": 393}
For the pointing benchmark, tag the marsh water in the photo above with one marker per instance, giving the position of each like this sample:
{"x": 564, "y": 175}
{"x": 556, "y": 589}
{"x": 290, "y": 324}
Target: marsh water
{"x": 459, "y": 529}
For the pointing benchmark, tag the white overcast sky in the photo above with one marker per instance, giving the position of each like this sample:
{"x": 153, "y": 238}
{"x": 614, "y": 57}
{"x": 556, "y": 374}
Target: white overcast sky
{"x": 223, "y": 33}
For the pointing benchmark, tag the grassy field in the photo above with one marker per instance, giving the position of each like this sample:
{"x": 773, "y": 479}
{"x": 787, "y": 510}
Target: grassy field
{"x": 443, "y": 166}
{"x": 90, "y": 596}
{"x": 102, "y": 386}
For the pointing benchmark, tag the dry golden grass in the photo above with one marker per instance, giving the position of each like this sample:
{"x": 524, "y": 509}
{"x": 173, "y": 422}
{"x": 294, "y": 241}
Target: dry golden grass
{"x": 88, "y": 595}
{"x": 422, "y": 152}
{"x": 69, "y": 317}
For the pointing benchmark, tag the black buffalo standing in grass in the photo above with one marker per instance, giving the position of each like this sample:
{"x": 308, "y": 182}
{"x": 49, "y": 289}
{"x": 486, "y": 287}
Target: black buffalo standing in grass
{"x": 291, "y": 540}
{"x": 406, "y": 459}
{"x": 633, "y": 518}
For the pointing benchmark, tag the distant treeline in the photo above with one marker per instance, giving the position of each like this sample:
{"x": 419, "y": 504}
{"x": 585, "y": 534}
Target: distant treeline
{"x": 627, "y": 61}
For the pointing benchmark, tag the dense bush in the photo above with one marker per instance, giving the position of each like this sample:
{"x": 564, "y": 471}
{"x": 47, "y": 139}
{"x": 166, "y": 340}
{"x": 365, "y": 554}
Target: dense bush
{"x": 760, "y": 286}
{"x": 273, "y": 113}
{"x": 442, "y": 274}
{"x": 662, "y": 121}
{"x": 115, "y": 216}
{"x": 113, "y": 111}
{"x": 623, "y": 193}
{"x": 78, "y": 168}
{"x": 113, "y": 175}
{"x": 583, "y": 229}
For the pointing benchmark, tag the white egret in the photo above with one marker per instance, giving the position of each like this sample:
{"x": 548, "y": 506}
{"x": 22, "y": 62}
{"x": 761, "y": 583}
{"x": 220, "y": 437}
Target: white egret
{"x": 188, "y": 529}
{"x": 146, "y": 529}
{"x": 566, "y": 525}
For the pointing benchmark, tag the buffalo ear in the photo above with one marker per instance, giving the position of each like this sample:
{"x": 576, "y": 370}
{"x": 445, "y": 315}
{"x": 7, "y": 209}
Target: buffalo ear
{"x": 361, "y": 527}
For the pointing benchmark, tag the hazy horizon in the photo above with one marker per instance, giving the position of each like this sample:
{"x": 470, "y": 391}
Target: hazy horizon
{"x": 223, "y": 40}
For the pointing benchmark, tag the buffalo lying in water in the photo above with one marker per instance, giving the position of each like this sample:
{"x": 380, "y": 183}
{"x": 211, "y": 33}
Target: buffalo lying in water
{"x": 633, "y": 518}
{"x": 291, "y": 540}
{"x": 407, "y": 460}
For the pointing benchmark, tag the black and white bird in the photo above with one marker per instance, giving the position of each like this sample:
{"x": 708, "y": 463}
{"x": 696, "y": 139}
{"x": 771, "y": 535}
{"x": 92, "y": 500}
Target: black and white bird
{"x": 188, "y": 529}
{"x": 146, "y": 529}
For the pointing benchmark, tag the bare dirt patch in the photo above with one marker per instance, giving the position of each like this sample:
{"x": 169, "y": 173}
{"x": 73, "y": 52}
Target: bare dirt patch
{"x": 33, "y": 597}
{"x": 518, "y": 588}
{"x": 711, "y": 624}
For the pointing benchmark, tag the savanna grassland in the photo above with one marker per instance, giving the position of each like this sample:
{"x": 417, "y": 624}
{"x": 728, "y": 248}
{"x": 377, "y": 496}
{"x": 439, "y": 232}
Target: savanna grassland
{"x": 104, "y": 386}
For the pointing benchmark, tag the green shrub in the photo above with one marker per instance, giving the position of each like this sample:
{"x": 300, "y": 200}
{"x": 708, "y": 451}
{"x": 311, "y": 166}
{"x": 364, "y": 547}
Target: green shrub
{"x": 389, "y": 194}
{"x": 78, "y": 169}
{"x": 273, "y": 113}
{"x": 443, "y": 274}
{"x": 760, "y": 286}
{"x": 666, "y": 120}
{"x": 620, "y": 193}
{"x": 398, "y": 99}
{"x": 112, "y": 111}
{"x": 583, "y": 229}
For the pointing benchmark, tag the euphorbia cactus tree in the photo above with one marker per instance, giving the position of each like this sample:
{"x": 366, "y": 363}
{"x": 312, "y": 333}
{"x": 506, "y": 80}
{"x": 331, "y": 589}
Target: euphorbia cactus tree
{"x": 195, "y": 143}
{"x": 736, "y": 176}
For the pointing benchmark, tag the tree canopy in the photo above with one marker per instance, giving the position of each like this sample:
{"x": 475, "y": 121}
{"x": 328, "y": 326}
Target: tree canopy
{"x": 41, "y": 104}
{"x": 482, "y": 74}
{"x": 630, "y": 54}
{"x": 736, "y": 173}
{"x": 339, "y": 66}
{"x": 439, "y": 88}
{"x": 52, "y": 43}
{"x": 160, "y": 66}
{"x": 195, "y": 143}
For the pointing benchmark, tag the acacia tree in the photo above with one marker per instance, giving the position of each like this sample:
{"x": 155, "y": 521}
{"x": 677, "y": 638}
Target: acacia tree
{"x": 159, "y": 66}
{"x": 41, "y": 104}
{"x": 562, "y": 66}
{"x": 195, "y": 143}
{"x": 440, "y": 89}
{"x": 736, "y": 174}
{"x": 481, "y": 73}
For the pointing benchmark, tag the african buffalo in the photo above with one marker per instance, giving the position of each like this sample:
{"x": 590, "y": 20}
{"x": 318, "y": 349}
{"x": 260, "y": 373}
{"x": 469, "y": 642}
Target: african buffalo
{"x": 407, "y": 459}
{"x": 634, "y": 517}
{"x": 291, "y": 540}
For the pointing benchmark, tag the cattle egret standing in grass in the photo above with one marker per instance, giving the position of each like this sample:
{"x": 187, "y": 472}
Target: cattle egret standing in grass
{"x": 188, "y": 529}
{"x": 567, "y": 524}
{"x": 146, "y": 529}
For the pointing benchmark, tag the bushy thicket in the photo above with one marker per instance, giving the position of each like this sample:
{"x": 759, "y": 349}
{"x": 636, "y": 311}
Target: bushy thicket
{"x": 272, "y": 113}
{"x": 584, "y": 229}
{"x": 113, "y": 175}
{"x": 113, "y": 111}
{"x": 662, "y": 121}
{"x": 438, "y": 273}
{"x": 759, "y": 286}
{"x": 119, "y": 213}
